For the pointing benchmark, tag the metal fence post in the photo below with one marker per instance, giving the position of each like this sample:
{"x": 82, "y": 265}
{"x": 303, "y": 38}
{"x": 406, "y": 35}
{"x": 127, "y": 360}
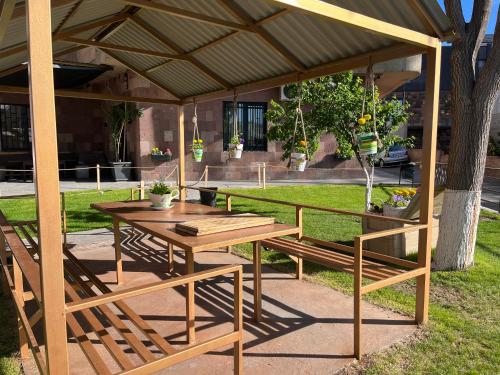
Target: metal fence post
{"x": 141, "y": 190}
{"x": 206, "y": 175}
{"x": 98, "y": 172}
{"x": 264, "y": 176}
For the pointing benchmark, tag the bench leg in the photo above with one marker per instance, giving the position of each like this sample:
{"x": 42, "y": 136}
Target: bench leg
{"x": 170, "y": 257}
{"x": 358, "y": 274}
{"x": 3, "y": 259}
{"x": 118, "y": 251}
{"x": 298, "y": 269}
{"x": 257, "y": 282}
{"x": 19, "y": 290}
{"x": 190, "y": 320}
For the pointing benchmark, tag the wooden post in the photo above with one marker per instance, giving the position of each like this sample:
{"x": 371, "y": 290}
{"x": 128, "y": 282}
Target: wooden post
{"x": 3, "y": 259}
{"x": 238, "y": 321}
{"x": 259, "y": 165}
{"x": 141, "y": 190}
{"x": 358, "y": 272}
{"x": 46, "y": 176}
{"x": 19, "y": 290}
{"x": 264, "y": 176}
{"x": 118, "y": 251}
{"x": 170, "y": 257}
{"x": 206, "y": 175}
{"x": 431, "y": 114}
{"x": 182, "y": 156}
{"x": 228, "y": 202}
{"x": 190, "y": 317}
{"x": 298, "y": 222}
{"x": 257, "y": 282}
{"x": 98, "y": 174}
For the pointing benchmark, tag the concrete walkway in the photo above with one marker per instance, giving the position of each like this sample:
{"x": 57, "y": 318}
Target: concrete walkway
{"x": 306, "y": 328}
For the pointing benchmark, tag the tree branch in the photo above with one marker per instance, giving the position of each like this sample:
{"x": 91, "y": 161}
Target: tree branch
{"x": 489, "y": 77}
{"x": 456, "y": 15}
{"x": 476, "y": 28}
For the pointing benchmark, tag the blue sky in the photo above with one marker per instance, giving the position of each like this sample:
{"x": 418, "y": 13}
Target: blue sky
{"x": 467, "y": 6}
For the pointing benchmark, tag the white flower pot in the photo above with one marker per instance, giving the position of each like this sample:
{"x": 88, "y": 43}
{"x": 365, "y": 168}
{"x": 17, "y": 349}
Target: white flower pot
{"x": 392, "y": 211}
{"x": 163, "y": 201}
{"x": 235, "y": 150}
{"x": 299, "y": 161}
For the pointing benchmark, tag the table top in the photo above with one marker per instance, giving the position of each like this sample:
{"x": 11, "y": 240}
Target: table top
{"x": 161, "y": 223}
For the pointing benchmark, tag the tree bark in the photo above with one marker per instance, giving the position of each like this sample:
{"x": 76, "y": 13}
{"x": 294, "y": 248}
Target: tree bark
{"x": 473, "y": 98}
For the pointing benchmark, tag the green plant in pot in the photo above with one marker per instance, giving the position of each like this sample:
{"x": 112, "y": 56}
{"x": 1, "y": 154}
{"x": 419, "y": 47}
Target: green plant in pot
{"x": 161, "y": 195}
{"x": 236, "y": 146}
{"x": 197, "y": 148}
{"x": 118, "y": 117}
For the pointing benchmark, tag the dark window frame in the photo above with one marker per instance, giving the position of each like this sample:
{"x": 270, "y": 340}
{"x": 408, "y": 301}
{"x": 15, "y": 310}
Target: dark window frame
{"x": 8, "y": 118}
{"x": 255, "y": 140}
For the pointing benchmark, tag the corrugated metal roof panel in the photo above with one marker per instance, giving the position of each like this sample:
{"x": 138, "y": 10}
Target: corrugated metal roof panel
{"x": 136, "y": 61}
{"x": 258, "y": 9}
{"x": 185, "y": 33}
{"x": 94, "y": 9}
{"x": 13, "y": 60}
{"x": 131, "y": 35}
{"x": 211, "y": 8}
{"x": 314, "y": 41}
{"x": 175, "y": 74}
{"x": 242, "y": 59}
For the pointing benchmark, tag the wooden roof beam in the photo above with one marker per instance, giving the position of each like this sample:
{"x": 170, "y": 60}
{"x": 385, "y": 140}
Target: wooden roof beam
{"x": 183, "y": 55}
{"x": 20, "y": 10}
{"x": 359, "y": 21}
{"x": 114, "y": 47}
{"x": 239, "y": 13}
{"x": 92, "y": 96}
{"x": 70, "y": 14}
{"x": 183, "y": 13}
{"x": 426, "y": 19}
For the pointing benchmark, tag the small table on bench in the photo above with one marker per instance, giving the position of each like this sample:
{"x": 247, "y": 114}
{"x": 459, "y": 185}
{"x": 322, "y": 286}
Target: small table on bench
{"x": 161, "y": 224}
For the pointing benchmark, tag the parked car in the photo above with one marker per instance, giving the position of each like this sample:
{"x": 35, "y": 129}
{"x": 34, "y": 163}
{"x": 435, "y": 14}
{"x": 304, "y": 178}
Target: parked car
{"x": 396, "y": 154}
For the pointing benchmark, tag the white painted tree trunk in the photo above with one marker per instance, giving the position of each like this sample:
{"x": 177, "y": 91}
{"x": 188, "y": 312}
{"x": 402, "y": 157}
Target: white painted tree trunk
{"x": 458, "y": 230}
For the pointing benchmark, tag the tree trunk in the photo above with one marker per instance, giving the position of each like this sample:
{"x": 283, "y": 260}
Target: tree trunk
{"x": 472, "y": 112}
{"x": 368, "y": 181}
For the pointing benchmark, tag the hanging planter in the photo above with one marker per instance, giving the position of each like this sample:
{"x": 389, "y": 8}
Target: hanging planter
{"x": 367, "y": 143}
{"x": 235, "y": 147}
{"x": 299, "y": 162}
{"x": 299, "y": 154}
{"x": 197, "y": 145}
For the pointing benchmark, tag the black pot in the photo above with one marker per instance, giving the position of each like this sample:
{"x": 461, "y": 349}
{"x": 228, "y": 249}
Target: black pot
{"x": 209, "y": 198}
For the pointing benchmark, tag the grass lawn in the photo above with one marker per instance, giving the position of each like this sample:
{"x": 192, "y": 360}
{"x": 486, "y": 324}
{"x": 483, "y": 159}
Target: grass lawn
{"x": 463, "y": 335}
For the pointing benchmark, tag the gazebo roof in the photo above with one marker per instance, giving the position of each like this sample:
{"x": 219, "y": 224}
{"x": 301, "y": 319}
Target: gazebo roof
{"x": 196, "y": 48}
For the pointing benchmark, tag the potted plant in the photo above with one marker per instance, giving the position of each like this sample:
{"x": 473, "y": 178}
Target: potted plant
{"x": 235, "y": 147}
{"x": 159, "y": 155}
{"x": 367, "y": 142}
{"x": 299, "y": 159}
{"x": 397, "y": 202}
{"x": 161, "y": 195}
{"x": 197, "y": 148}
{"x": 118, "y": 118}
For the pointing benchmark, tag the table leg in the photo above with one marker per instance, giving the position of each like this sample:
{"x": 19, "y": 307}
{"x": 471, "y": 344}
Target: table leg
{"x": 118, "y": 251}
{"x": 170, "y": 257}
{"x": 257, "y": 282}
{"x": 190, "y": 320}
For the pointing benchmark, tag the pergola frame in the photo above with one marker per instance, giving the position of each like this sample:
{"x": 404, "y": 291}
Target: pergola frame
{"x": 43, "y": 123}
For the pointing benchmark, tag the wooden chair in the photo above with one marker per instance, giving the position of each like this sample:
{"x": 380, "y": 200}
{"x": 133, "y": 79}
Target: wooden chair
{"x": 89, "y": 302}
{"x": 402, "y": 245}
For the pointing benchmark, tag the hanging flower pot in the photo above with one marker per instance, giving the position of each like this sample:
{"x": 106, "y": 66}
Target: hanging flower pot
{"x": 235, "y": 147}
{"x": 299, "y": 161}
{"x": 197, "y": 150}
{"x": 367, "y": 144}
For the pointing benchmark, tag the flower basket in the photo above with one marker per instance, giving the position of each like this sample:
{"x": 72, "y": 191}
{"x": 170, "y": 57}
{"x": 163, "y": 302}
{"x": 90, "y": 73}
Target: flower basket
{"x": 161, "y": 157}
{"x": 298, "y": 162}
{"x": 367, "y": 144}
{"x": 235, "y": 150}
{"x": 198, "y": 154}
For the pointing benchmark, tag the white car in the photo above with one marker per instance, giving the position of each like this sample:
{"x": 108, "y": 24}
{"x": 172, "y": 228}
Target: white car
{"x": 396, "y": 154}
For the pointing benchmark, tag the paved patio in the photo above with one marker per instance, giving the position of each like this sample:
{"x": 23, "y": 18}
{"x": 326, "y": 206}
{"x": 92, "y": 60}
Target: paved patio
{"x": 306, "y": 328}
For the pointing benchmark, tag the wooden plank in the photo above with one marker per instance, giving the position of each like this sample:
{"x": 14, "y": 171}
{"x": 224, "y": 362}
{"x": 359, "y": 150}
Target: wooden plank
{"x": 118, "y": 251}
{"x": 182, "y": 153}
{"x": 190, "y": 313}
{"x": 148, "y": 288}
{"x": 43, "y": 125}
{"x": 183, "y": 13}
{"x": 428, "y": 21}
{"x": 299, "y": 220}
{"x": 431, "y": 118}
{"x": 238, "y": 320}
{"x": 170, "y": 257}
{"x": 18, "y": 280}
{"x": 393, "y": 280}
{"x": 359, "y": 21}
{"x": 223, "y": 224}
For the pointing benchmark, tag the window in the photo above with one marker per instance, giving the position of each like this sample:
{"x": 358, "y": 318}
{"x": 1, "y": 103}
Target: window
{"x": 252, "y": 124}
{"x": 15, "y": 130}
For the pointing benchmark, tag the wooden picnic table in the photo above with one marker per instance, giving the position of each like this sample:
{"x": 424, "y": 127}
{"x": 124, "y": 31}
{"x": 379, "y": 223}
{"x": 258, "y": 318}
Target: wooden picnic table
{"x": 161, "y": 224}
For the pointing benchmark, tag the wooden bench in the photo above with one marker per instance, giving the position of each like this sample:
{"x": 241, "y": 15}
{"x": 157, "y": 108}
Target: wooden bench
{"x": 383, "y": 270}
{"x": 91, "y": 306}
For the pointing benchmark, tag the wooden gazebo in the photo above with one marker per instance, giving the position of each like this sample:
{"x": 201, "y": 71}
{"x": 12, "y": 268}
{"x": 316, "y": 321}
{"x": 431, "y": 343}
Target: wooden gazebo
{"x": 201, "y": 50}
